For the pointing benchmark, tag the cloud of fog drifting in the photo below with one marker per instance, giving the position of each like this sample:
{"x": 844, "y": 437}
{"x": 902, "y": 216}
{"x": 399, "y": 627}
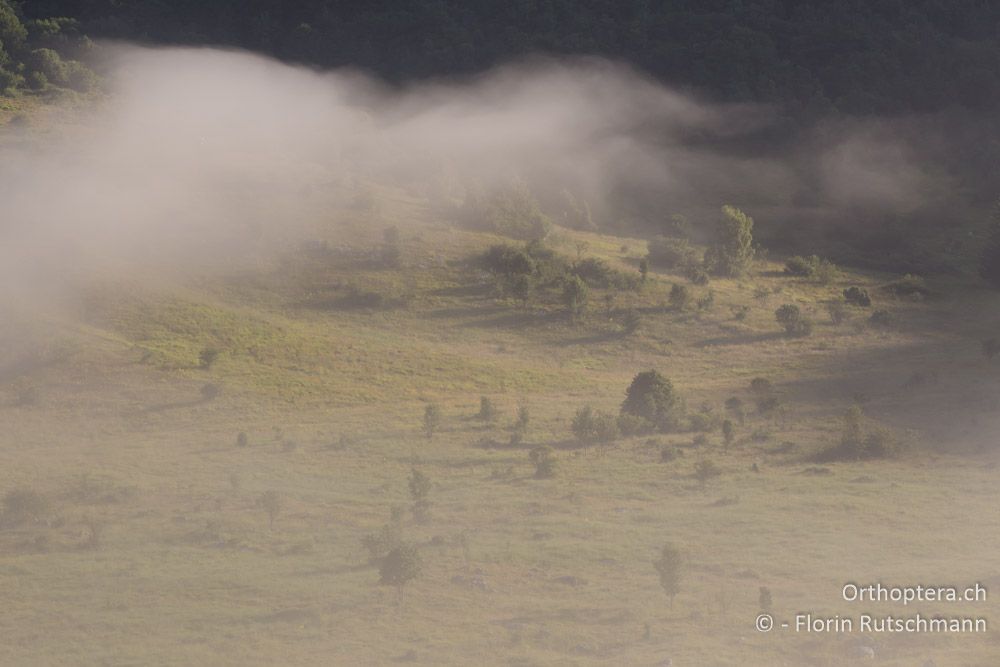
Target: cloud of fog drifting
{"x": 197, "y": 150}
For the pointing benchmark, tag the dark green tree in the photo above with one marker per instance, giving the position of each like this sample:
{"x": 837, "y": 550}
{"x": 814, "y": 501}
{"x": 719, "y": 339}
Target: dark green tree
{"x": 652, "y": 397}
{"x": 732, "y": 251}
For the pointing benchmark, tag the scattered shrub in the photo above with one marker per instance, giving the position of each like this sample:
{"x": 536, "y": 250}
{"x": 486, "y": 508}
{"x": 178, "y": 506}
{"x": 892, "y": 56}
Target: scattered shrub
{"x": 591, "y": 425}
{"x": 706, "y": 302}
{"x": 386, "y": 539}
{"x": 705, "y": 420}
{"x": 814, "y": 268}
{"x": 432, "y": 420}
{"x": 400, "y": 566}
{"x": 671, "y": 253}
{"x": 794, "y": 322}
{"x": 991, "y": 347}
{"x": 837, "y": 311}
{"x": 668, "y": 567}
{"x": 697, "y": 275}
{"x": 487, "y": 411}
{"x": 680, "y": 296}
{"x": 544, "y": 460}
{"x": 739, "y": 312}
{"x": 728, "y": 432}
{"x": 574, "y": 295}
{"x": 705, "y": 470}
{"x": 241, "y": 439}
{"x": 857, "y": 296}
{"x": 420, "y": 488}
{"x": 207, "y": 357}
{"x": 734, "y": 406}
{"x": 798, "y": 266}
{"x": 629, "y": 425}
{"x": 271, "y": 502}
{"x": 631, "y": 321}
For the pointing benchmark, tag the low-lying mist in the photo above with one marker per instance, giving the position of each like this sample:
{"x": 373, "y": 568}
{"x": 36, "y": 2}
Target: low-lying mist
{"x": 196, "y": 154}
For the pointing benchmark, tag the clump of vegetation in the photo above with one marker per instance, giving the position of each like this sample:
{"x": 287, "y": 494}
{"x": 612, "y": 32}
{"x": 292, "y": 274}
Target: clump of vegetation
{"x": 242, "y": 440}
{"x": 792, "y": 320}
{"x": 671, "y": 253}
{"x": 207, "y": 357}
{"x": 706, "y": 470}
{"x": 509, "y": 211}
{"x": 704, "y": 420}
{"x": 629, "y": 424}
{"x": 732, "y": 252}
{"x": 728, "y": 432}
{"x": 386, "y": 539}
{"x": 857, "y": 296}
{"x": 991, "y": 347}
{"x": 544, "y": 459}
{"x": 520, "y": 427}
{"x": 591, "y": 425}
{"x": 487, "y": 411}
{"x": 680, "y": 296}
{"x": 400, "y": 566}
{"x": 631, "y": 321}
{"x": 837, "y": 311}
{"x": 790, "y": 317}
{"x": 697, "y": 275}
{"x": 574, "y": 295}
{"x": 860, "y": 440}
{"x": 668, "y": 567}
{"x": 420, "y": 489}
{"x": 908, "y": 286}
{"x": 272, "y": 503}
{"x": 815, "y": 268}
{"x": 653, "y": 398}
{"x": 432, "y": 420}
{"x": 734, "y": 406}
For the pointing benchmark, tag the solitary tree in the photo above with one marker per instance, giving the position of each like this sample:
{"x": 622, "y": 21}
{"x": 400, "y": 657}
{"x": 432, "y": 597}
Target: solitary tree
{"x": 733, "y": 251}
{"x": 669, "y": 568}
{"x": 652, "y": 397}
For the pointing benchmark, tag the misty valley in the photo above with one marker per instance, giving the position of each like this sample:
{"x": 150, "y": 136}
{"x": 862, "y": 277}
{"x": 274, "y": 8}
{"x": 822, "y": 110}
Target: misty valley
{"x": 556, "y": 364}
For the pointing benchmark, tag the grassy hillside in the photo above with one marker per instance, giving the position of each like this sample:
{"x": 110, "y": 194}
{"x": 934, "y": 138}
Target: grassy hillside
{"x": 150, "y": 542}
